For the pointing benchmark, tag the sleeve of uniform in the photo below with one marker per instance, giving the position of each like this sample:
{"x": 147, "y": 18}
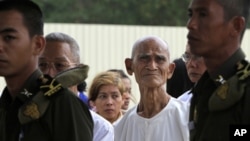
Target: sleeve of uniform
{"x": 72, "y": 120}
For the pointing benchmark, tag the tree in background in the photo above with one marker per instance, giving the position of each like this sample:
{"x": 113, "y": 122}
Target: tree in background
{"x": 129, "y": 12}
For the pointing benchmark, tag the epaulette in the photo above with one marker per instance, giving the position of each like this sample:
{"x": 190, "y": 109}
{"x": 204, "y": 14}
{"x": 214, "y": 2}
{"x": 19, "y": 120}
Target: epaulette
{"x": 230, "y": 91}
{"x": 243, "y": 68}
{"x": 49, "y": 85}
{"x": 37, "y": 106}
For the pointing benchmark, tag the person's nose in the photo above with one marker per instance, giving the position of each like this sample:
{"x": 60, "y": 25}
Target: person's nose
{"x": 192, "y": 63}
{"x": 192, "y": 23}
{"x": 110, "y": 101}
{"x": 51, "y": 71}
{"x": 152, "y": 65}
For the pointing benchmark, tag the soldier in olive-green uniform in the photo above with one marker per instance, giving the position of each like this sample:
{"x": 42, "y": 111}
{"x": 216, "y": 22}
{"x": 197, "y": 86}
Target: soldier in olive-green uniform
{"x": 221, "y": 98}
{"x": 34, "y": 107}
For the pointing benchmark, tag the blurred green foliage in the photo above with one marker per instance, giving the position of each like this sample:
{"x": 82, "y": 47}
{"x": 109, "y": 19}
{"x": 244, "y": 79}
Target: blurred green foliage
{"x": 127, "y": 12}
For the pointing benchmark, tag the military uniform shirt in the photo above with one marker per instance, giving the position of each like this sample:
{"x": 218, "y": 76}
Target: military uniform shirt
{"x": 211, "y": 124}
{"x": 65, "y": 119}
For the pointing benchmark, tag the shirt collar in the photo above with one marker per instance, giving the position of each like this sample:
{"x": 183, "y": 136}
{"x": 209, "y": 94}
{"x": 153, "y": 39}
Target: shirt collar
{"x": 228, "y": 68}
{"x": 27, "y": 91}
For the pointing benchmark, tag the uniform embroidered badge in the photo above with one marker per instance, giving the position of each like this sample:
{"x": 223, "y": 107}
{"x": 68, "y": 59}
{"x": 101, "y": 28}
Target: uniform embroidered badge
{"x": 31, "y": 110}
{"x": 223, "y": 91}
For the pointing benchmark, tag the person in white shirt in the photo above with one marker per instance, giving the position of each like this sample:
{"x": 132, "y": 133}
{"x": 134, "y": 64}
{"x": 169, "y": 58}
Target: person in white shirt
{"x": 195, "y": 68}
{"x": 158, "y": 116}
{"x": 61, "y": 53}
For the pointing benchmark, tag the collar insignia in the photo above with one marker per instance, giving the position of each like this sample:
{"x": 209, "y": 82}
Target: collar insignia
{"x": 220, "y": 79}
{"x": 26, "y": 93}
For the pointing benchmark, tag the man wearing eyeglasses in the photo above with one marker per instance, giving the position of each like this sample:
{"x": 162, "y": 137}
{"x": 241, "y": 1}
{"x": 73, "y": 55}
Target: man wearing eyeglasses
{"x": 195, "y": 68}
{"x": 62, "y": 53}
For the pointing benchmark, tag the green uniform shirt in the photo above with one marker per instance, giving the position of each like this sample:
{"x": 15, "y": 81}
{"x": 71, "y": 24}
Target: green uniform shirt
{"x": 212, "y": 124}
{"x": 65, "y": 119}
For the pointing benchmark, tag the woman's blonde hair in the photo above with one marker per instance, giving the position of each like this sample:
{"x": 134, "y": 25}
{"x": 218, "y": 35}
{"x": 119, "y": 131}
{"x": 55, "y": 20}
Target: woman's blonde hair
{"x": 102, "y": 79}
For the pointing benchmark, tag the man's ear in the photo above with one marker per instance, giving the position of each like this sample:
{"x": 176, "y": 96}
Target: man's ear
{"x": 171, "y": 69}
{"x": 38, "y": 44}
{"x": 238, "y": 26}
{"x": 128, "y": 64}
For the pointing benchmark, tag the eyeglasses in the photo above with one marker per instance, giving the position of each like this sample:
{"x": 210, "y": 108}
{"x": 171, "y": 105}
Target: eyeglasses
{"x": 57, "y": 66}
{"x": 188, "y": 57}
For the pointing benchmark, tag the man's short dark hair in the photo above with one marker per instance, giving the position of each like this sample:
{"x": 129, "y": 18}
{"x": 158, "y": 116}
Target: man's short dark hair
{"x": 234, "y": 8}
{"x": 31, "y": 12}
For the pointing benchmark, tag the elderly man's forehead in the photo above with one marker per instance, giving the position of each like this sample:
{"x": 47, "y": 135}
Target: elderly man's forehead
{"x": 151, "y": 40}
{"x": 150, "y": 44}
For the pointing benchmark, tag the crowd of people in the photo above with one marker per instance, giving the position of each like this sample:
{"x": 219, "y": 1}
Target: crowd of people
{"x": 46, "y": 99}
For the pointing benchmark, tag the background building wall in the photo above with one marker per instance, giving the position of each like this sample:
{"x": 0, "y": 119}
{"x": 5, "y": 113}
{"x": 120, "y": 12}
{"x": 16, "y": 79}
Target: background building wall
{"x": 105, "y": 47}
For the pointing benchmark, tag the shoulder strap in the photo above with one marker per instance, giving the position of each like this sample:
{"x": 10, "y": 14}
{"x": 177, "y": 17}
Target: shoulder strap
{"x": 37, "y": 106}
{"x": 232, "y": 90}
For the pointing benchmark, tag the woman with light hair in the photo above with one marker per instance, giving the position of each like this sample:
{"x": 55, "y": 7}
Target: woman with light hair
{"x": 105, "y": 95}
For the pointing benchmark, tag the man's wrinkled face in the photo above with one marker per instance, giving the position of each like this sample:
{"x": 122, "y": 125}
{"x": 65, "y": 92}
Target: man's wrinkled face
{"x": 56, "y": 57}
{"x": 150, "y": 64}
{"x": 195, "y": 65}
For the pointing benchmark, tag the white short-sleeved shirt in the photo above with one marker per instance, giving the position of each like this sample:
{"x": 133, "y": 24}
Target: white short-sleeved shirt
{"x": 186, "y": 96}
{"x": 103, "y": 129}
{"x": 171, "y": 124}
{"x": 119, "y": 118}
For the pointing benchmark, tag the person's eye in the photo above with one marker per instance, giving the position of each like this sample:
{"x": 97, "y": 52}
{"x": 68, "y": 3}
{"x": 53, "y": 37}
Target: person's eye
{"x": 61, "y": 66}
{"x": 144, "y": 58}
{"x": 115, "y": 96}
{"x": 129, "y": 91}
{"x": 202, "y": 14}
{"x": 160, "y": 59}
{"x": 8, "y": 38}
{"x": 187, "y": 56}
{"x": 101, "y": 96}
{"x": 190, "y": 13}
{"x": 43, "y": 64}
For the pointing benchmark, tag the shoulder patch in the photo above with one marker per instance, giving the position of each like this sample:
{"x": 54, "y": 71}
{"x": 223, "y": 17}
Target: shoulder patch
{"x": 232, "y": 90}
{"x": 49, "y": 85}
{"x": 243, "y": 68}
{"x": 31, "y": 110}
